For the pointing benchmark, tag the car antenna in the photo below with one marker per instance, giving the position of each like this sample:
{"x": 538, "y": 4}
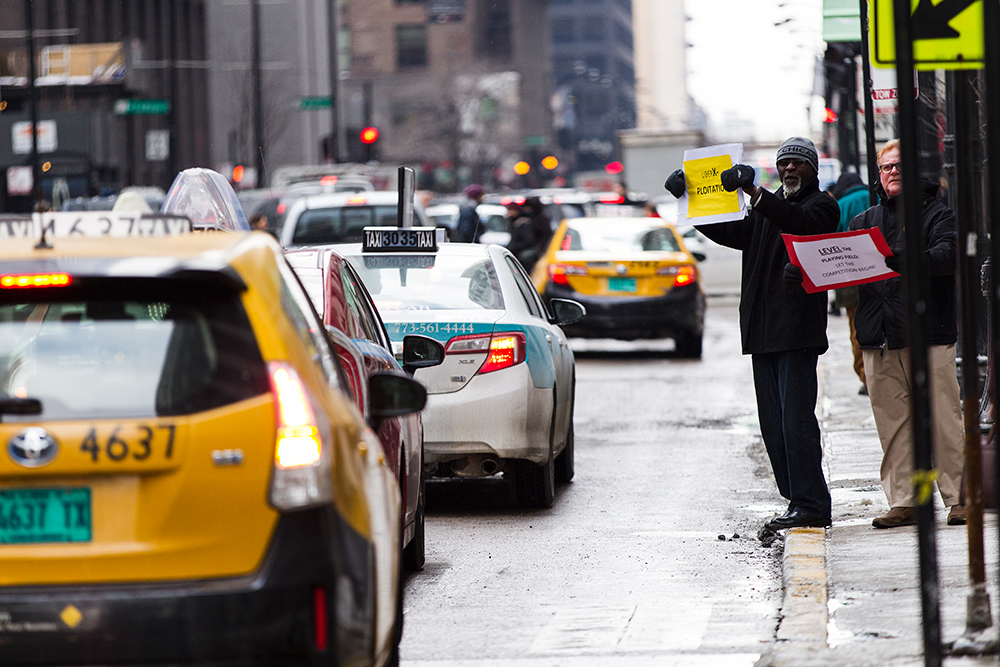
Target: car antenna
{"x": 42, "y": 244}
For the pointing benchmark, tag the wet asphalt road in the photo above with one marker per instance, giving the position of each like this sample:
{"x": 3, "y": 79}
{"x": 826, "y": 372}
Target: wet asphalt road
{"x": 649, "y": 556}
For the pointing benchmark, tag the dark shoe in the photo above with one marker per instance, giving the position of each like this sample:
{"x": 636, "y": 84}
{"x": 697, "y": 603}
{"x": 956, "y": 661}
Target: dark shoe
{"x": 895, "y": 517}
{"x": 797, "y": 519}
{"x": 957, "y": 515}
{"x": 863, "y": 391}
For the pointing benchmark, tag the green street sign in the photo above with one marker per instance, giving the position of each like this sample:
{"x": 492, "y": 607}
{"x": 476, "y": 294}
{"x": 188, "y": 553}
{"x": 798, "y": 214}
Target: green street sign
{"x": 134, "y": 107}
{"x": 318, "y": 102}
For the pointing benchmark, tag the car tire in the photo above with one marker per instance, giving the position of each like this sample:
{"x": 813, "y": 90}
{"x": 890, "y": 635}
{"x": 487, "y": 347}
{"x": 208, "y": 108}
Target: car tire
{"x": 564, "y": 462}
{"x": 688, "y": 345}
{"x": 414, "y": 553}
{"x": 535, "y": 485}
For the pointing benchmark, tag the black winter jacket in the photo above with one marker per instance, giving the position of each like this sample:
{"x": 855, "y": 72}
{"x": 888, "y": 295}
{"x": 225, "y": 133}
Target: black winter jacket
{"x": 773, "y": 316}
{"x": 879, "y": 319}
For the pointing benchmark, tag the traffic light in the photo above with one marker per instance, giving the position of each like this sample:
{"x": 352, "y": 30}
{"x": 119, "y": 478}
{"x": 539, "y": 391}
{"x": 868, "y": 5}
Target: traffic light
{"x": 237, "y": 174}
{"x": 550, "y": 162}
{"x": 369, "y": 136}
{"x": 522, "y": 168}
{"x": 614, "y": 168}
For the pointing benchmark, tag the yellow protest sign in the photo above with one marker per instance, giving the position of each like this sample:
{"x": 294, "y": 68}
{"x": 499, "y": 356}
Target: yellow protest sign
{"x": 704, "y": 187}
{"x": 704, "y": 201}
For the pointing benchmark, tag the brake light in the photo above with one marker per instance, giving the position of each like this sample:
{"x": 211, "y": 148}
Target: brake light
{"x": 612, "y": 199}
{"x": 281, "y": 208}
{"x": 21, "y": 280}
{"x": 328, "y": 180}
{"x": 301, "y": 475}
{"x": 683, "y": 275}
{"x": 559, "y": 273}
{"x": 504, "y": 349}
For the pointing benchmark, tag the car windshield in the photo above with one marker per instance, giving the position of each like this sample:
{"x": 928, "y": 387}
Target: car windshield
{"x": 429, "y": 282}
{"x": 618, "y": 236}
{"x": 342, "y": 224}
{"x": 124, "y": 358}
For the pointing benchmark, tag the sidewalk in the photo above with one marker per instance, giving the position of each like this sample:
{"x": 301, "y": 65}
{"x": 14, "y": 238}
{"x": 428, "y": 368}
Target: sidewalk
{"x": 852, "y": 597}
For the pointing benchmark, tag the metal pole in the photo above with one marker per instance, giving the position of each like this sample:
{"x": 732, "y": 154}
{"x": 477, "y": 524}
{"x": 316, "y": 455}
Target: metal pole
{"x": 36, "y": 175}
{"x": 916, "y": 283}
{"x": 333, "y": 29}
{"x": 258, "y": 109}
{"x": 173, "y": 88}
{"x": 866, "y": 77}
{"x": 991, "y": 26}
{"x": 978, "y": 603}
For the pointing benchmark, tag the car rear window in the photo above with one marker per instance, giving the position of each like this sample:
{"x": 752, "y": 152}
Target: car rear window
{"x": 100, "y": 356}
{"x": 429, "y": 282}
{"x": 343, "y": 224}
{"x": 617, "y": 236}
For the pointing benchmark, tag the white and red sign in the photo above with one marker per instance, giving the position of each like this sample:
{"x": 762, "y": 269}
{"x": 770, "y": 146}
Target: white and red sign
{"x": 830, "y": 261}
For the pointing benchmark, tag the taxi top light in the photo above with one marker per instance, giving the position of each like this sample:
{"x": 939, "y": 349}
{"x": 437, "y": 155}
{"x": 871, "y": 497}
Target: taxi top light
{"x": 559, "y": 273}
{"x": 328, "y": 180}
{"x": 298, "y": 440}
{"x": 21, "y": 280}
{"x": 355, "y": 201}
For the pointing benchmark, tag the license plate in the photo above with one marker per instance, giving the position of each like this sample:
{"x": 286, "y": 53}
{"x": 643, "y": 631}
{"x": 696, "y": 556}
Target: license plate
{"x": 32, "y": 516}
{"x": 621, "y": 284}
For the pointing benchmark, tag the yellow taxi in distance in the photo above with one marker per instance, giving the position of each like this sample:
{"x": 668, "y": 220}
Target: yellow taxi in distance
{"x": 633, "y": 275}
{"x": 184, "y": 478}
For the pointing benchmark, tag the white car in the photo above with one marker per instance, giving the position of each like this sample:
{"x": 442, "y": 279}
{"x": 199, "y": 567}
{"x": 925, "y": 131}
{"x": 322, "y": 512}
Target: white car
{"x": 502, "y": 400}
{"x": 339, "y": 217}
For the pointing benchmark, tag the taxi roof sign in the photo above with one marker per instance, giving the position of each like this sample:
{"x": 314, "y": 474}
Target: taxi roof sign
{"x": 399, "y": 239}
{"x": 63, "y": 224}
{"x": 947, "y": 34}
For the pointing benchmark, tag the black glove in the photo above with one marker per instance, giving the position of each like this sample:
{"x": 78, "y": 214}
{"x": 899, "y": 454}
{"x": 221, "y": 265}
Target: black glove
{"x": 792, "y": 275}
{"x": 894, "y": 262}
{"x": 675, "y": 184}
{"x": 737, "y": 176}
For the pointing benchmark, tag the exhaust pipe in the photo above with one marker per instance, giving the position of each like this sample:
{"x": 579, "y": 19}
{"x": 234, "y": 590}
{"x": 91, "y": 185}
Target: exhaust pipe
{"x": 477, "y": 465}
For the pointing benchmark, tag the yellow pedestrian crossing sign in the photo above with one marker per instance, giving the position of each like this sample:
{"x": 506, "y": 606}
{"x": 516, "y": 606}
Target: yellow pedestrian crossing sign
{"x": 946, "y": 34}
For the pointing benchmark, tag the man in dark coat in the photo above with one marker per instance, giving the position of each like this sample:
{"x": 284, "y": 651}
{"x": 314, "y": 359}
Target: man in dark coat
{"x": 783, "y": 328}
{"x": 879, "y": 321}
{"x": 468, "y": 229}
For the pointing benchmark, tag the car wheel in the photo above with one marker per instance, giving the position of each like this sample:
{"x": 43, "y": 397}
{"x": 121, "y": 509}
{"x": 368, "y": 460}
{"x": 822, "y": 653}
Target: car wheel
{"x": 414, "y": 552}
{"x": 688, "y": 345}
{"x": 564, "y": 462}
{"x": 535, "y": 485}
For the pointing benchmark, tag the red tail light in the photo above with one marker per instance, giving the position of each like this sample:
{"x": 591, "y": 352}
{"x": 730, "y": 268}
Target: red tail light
{"x": 35, "y": 280}
{"x": 505, "y": 349}
{"x": 558, "y": 273}
{"x": 683, "y": 275}
{"x": 320, "y": 636}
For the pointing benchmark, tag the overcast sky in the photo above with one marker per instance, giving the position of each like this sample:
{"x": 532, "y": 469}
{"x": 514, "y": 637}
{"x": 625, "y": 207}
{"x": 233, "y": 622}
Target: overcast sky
{"x": 740, "y": 64}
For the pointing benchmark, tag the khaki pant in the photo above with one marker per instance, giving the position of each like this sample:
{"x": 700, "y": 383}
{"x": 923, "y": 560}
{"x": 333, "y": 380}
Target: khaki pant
{"x": 889, "y": 386}
{"x": 859, "y": 366}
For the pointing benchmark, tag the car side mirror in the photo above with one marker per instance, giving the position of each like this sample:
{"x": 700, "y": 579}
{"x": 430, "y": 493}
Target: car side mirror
{"x": 566, "y": 311}
{"x": 393, "y": 395}
{"x": 421, "y": 352}
{"x": 700, "y": 256}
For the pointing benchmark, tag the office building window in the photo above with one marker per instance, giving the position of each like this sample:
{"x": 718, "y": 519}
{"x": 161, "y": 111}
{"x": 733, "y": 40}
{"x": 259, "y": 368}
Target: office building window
{"x": 563, "y": 29}
{"x": 411, "y": 46}
{"x": 593, "y": 28}
{"x": 496, "y": 31}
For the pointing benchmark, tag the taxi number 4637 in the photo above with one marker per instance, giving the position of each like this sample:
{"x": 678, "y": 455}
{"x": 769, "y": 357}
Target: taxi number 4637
{"x": 117, "y": 448}
{"x": 403, "y": 328}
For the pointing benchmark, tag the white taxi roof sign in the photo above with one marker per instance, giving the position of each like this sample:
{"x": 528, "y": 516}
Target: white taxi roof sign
{"x": 64, "y": 224}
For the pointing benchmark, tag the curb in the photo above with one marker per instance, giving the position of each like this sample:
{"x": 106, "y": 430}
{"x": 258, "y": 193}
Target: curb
{"x": 804, "y": 612}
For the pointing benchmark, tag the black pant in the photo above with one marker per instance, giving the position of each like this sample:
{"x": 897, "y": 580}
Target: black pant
{"x": 785, "y": 383}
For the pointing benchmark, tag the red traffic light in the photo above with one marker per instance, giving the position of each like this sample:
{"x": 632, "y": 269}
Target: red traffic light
{"x": 615, "y": 167}
{"x": 369, "y": 135}
{"x": 238, "y": 173}
{"x": 831, "y": 116}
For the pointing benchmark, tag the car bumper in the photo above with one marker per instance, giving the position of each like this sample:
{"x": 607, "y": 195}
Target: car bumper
{"x": 679, "y": 312}
{"x": 265, "y": 618}
{"x": 501, "y": 414}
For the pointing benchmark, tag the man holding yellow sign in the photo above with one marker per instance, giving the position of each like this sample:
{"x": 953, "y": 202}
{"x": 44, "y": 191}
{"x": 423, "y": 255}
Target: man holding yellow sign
{"x": 783, "y": 328}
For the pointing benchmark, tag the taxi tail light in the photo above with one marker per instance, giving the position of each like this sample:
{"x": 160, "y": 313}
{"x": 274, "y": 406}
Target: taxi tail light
{"x": 559, "y": 273}
{"x": 301, "y": 461}
{"x": 504, "y": 349}
{"x": 683, "y": 275}
{"x": 321, "y": 639}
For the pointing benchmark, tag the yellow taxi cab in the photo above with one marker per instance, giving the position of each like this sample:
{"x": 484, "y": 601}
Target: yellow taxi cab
{"x": 633, "y": 275}
{"x": 184, "y": 478}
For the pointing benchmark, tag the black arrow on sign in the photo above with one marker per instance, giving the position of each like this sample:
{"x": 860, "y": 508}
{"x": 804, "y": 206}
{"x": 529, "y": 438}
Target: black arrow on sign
{"x": 930, "y": 21}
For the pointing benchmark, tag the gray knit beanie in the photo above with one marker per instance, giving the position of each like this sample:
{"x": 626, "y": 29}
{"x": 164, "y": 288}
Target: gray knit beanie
{"x": 799, "y": 147}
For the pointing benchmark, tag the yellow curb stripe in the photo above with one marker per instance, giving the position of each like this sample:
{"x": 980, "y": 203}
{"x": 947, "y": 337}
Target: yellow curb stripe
{"x": 804, "y": 612}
